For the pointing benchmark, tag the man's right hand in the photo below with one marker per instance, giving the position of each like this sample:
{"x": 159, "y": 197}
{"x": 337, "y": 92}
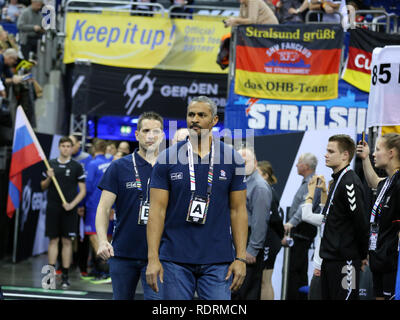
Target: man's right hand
{"x": 105, "y": 251}
{"x": 287, "y": 226}
{"x": 37, "y": 28}
{"x": 362, "y": 150}
{"x": 153, "y": 271}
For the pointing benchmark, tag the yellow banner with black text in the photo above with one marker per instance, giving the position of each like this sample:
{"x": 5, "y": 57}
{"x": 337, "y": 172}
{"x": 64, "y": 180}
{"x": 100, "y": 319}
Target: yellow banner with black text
{"x": 144, "y": 42}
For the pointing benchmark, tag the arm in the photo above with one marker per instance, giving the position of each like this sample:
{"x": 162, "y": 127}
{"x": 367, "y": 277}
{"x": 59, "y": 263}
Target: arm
{"x": 369, "y": 172}
{"x": 239, "y": 223}
{"x": 261, "y": 200}
{"x": 155, "y": 227}
{"x": 103, "y": 212}
{"x": 22, "y": 23}
{"x": 357, "y": 214}
{"x": 44, "y": 184}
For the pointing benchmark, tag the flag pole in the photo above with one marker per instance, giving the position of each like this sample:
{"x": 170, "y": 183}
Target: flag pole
{"x": 14, "y": 255}
{"x": 53, "y": 178}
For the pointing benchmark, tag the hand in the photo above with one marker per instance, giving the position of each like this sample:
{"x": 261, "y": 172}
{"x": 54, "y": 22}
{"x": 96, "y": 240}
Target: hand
{"x": 68, "y": 206}
{"x": 287, "y": 226}
{"x": 16, "y": 79}
{"x": 317, "y": 273}
{"x": 284, "y": 242}
{"x": 238, "y": 268}
{"x": 81, "y": 211}
{"x": 154, "y": 269}
{"x": 364, "y": 263}
{"x": 322, "y": 183}
{"x": 362, "y": 150}
{"x": 37, "y": 28}
{"x": 229, "y": 22}
{"x": 328, "y": 9}
{"x": 250, "y": 258}
{"x": 312, "y": 184}
{"x": 50, "y": 173}
{"x": 292, "y": 11}
{"x": 105, "y": 250}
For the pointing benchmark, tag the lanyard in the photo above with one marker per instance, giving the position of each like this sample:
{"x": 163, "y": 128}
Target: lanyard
{"x": 334, "y": 190}
{"x": 192, "y": 173}
{"x": 377, "y": 208}
{"x": 137, "y": 178}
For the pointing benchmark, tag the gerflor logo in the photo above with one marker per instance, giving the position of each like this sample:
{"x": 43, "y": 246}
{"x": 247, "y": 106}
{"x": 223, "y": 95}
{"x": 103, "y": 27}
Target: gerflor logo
{"x": 138, "y": 88}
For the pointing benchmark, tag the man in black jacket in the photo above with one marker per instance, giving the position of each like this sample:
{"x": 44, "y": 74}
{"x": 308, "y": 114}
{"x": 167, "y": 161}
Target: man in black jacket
{"x": 344, "y": 230}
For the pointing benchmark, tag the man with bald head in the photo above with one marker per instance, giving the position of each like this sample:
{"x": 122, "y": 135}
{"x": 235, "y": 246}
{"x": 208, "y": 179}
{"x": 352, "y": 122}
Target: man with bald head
{"x": 258, "y": 204}
{"x": 124, "y": 147}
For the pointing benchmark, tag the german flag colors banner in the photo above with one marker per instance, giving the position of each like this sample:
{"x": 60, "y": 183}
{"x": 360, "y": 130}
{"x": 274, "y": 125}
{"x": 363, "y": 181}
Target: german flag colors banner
{"x": 358, "y": 66}
{"x": 288, "y": 62}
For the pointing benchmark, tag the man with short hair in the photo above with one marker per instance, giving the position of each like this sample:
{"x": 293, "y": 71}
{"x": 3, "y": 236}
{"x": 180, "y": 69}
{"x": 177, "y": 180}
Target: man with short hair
{"x": 62, "y": 219}
{"x": 126, "y": 184}
{"x": 344, "y": 229}
{"x": 303, "y": 233}
{"x": 197, "y": 214}
{"x": 30, "y": 28}
{"x": 258, "y": 204}
{"x": 95, "y": 170}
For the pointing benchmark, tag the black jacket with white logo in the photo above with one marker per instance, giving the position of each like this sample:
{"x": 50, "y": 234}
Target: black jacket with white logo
{"x": 346, "y": 231}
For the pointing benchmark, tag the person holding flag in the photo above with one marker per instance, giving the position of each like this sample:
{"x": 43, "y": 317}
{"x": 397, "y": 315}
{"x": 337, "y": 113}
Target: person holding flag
{"x": 385, "y": 215}
{"x": 61, "y": 216}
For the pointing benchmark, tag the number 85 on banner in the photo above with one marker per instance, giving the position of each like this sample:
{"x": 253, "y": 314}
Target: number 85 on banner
{"x": 384, "y": 95}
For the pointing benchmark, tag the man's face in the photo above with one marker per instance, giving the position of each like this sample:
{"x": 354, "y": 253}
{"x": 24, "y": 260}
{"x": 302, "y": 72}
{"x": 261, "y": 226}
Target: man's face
{"x": 124, "y": 147}
{"x": 37, "y": 5}
{"x": 76, "y": 145}
{"x": 333, "y": 156}
{"x": 249, "y": 161}
{"x": 199, "y": 119}
{"x": 381, "y": 154}
{"x": 150, "y": 135}
{"x": 111, "y": 149}
{"x": 65, "y": 149}
{"x": 301, "y": 167}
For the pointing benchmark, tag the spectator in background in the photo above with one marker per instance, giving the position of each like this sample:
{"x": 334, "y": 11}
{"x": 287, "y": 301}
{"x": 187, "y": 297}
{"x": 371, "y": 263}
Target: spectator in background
{"x": 143, "y": 7}
{"x": 124, "y": 147}
{"x": 252, "y": 12}
{"x": 258, "y": 204}
{"x": 291, "y": 11}
{"x": 8, "y": 59}
{"x": 186, "y": 12}
{"x": 7, "y": 40}
{"x": 11, "y": 11}
{"x": 111, "y": 149}
{"x": 30, "y": 28}
{"x": 274, "y": 235}
{"x": 303, "y": 233}
{"x": 330, "y": 8}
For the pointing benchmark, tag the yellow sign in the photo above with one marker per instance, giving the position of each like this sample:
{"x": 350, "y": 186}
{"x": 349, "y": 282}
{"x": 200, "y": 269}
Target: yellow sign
{"x": 144, "y": 42}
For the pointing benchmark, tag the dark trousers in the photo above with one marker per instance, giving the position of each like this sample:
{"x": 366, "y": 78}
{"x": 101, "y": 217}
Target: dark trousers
{"x": 315, "y": 289}
{"x": 340, "y": 280}
{"x": 298, "y": 269}
{"x": 251, "y": 287}
{"x": 30, "y": 46}
{"x": 82, "y": 254}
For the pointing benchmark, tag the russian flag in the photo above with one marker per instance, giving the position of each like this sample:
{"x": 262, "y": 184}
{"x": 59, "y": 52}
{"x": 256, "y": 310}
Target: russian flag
{"x": 25, "y": 153}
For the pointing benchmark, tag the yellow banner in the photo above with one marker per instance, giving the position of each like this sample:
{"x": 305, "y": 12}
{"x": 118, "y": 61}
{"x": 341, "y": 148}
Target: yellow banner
{"x": 144, "y": 42}
{"x": 286, "y": 87}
